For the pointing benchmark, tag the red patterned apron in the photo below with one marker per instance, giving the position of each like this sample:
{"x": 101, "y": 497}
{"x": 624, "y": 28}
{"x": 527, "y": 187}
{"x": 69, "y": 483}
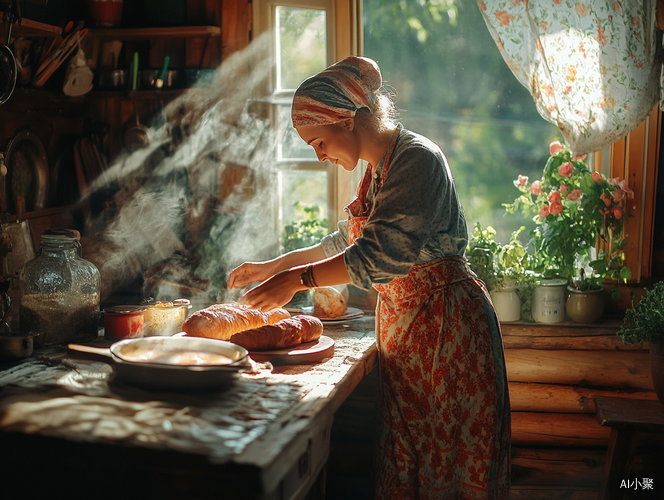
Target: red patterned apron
{"x": 443, "y": 399}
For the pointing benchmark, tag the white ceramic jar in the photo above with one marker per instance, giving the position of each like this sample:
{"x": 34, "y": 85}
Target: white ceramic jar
{"x": 507, "y": 303}
{"x": 549, "y": 301}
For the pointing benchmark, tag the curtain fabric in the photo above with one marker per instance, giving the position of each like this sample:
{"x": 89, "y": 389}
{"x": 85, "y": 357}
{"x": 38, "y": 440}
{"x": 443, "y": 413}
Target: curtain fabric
{"x": 592, "y": 66}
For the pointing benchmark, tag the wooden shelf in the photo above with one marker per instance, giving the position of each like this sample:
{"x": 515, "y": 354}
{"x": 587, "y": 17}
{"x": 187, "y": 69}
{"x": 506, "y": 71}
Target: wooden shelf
{"x": 169, "y": 32}
{"x": 26, "y": 27}
{"x": 37, "y": 214}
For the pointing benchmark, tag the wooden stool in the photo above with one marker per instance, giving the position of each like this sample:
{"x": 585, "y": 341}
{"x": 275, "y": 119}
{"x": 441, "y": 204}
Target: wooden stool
{"x": 627, "y": 418}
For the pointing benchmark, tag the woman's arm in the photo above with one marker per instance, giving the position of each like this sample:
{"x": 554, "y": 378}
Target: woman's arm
{"x": 280, "y": 288}
{"x": 250, "y": 272}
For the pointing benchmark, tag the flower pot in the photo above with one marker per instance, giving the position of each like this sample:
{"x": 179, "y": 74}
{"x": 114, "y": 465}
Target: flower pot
{"x": 507, "y": 303}
{"x": 657, "y": 368}
{"x": 549, "y": 301}
{"x": 104, "y": 13}
{"x": 585, "y": 306}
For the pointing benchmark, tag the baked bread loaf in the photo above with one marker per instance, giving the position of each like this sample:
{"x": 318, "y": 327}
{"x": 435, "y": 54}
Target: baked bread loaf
{"x": 222, "y": 321}
{"x": 328, "y": 302}
{"x": 285, "y": 333}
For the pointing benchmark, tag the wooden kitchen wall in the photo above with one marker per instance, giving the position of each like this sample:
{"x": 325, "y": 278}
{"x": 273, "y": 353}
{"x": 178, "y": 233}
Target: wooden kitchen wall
{"x": 59, "y": 121}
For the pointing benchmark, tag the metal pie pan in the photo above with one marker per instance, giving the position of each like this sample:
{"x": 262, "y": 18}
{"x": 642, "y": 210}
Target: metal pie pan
{"x": 135, "y": 363}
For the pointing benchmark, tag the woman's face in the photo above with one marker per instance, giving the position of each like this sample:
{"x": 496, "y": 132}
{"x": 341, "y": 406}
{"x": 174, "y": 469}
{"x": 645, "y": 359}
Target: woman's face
{"x": 335, "y": 143}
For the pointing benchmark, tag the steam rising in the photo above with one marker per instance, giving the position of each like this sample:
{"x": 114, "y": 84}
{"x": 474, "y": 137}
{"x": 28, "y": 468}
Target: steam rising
{"x": 196, "y": 201}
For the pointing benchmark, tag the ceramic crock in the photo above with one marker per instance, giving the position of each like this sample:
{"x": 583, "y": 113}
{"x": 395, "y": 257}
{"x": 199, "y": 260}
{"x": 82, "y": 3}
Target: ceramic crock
{"x": 549, "y": 301}
{"x": 585, "y": 306}
{"x": 507, "y": 303}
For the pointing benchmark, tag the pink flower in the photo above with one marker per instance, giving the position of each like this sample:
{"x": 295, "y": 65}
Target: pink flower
{"x": 618, "y": 194}
{"x": 597, "y": 177}
{"x": 614, "y": 181}
{"x": 566, "y": 169}
{"x": 623, "y": 185}
{"x": 579, "y": 158}
{"x": 554, "y": 197}
{"x": 605, "y": 199}
{"x": 555, "y": 148}
{"x": 617, "y": 212}
{"x": 544, "y": 211}
{"x": 574, "y": 195}
{"x": 563, "y": 189}
{"x": 522, "y": 180}
{"x": 536, "y": 188}
{"x": 556, "y": 208}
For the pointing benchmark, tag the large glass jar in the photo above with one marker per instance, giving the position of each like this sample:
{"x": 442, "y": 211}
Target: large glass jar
{"x": 60, "y": 291}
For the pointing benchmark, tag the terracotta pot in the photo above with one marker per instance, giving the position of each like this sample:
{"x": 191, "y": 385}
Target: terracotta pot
{"x": 585, "y": 307}
{"x": 104, "y": 13}
{"x": 657, "y": 367}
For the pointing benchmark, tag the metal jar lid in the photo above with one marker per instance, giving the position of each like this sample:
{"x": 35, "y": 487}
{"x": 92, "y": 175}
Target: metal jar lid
{"x": 553, "y": 282}
{"x": 152, "y": 304}
{"x": 124, "y": 310}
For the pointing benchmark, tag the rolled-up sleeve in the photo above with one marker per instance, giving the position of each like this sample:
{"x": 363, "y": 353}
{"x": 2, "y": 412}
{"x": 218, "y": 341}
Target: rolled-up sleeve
{"x": 404, "y": 213}
{"x": 336, "y": 242}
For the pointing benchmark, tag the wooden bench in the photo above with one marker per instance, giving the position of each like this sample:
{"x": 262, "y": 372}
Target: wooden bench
{"x": 626, "y": 418}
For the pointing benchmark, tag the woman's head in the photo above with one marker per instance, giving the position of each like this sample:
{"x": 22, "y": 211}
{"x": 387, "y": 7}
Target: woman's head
{"x": 339, "y": 92}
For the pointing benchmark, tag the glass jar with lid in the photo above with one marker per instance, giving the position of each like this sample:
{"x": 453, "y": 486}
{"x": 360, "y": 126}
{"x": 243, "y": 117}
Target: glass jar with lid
{"x": 60, "y": 291}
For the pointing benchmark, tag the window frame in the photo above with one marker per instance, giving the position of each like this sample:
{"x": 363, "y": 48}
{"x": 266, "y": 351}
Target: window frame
{"x": 344, "y": 39}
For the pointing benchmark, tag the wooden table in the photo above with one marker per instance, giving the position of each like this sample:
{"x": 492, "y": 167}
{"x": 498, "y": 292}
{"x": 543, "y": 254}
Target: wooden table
{"x": 626, "y": 418}
{"x": 64, "y": 426}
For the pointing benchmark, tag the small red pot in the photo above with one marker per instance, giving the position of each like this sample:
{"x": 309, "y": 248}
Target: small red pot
{"x": 124, "y": 322}
{"x": 104, "y": 13}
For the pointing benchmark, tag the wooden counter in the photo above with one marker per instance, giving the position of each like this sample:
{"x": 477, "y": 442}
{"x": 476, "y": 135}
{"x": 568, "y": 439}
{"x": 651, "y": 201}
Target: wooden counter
{"x": 266, "y": 437}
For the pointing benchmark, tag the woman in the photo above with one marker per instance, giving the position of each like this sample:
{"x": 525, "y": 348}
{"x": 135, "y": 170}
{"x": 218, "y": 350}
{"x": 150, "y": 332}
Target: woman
{"x": 444, "y": 403}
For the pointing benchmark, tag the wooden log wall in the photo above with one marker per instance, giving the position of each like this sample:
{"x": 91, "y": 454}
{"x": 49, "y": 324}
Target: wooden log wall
{"x": 554, "y": 373}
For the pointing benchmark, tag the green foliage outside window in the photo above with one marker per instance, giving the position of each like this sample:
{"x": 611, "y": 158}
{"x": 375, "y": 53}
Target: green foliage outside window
{"x": 307, "y": 230}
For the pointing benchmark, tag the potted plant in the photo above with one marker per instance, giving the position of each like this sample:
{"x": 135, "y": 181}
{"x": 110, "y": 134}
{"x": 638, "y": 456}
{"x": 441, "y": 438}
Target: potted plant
{"x": 645, "y": 323}
{"x": 307, "y": 230}
{"x": 578, "y": 215}
{"x": 503, "y": 268}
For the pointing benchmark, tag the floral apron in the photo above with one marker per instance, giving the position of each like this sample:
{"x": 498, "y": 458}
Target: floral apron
{"x": 443, "y": 396}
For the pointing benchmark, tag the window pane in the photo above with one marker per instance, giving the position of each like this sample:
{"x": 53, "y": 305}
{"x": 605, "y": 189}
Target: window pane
{"x": 454, "y": 87}
{"x": 306, "y": 188}
{"x": 292, "y": 146}
{"x": 301, "y": 45}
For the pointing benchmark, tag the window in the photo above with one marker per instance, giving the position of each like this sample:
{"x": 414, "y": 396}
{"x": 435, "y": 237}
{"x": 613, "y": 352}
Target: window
{"x": 453, "y": 86}
{"x": 305, "y": 42}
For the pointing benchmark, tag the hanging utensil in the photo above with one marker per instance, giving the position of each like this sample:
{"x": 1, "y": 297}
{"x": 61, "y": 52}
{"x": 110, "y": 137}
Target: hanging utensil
{"x": 8, "y": 67}
{"x": 160, "y": 81}
{"x": 134, "y": 75}
{"x": 58, "y": 56}
{"x": 136, "y": 135}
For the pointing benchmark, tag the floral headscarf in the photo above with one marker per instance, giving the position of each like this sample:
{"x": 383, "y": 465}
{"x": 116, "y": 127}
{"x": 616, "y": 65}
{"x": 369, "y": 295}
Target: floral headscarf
{"x": 337, "y": 92}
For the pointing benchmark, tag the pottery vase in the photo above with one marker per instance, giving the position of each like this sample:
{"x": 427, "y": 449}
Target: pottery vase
{"x": 104, "y": 13}
{"x": 549, "y": 301}
{"x": 585, "y": 306}
{"x": 507, "y": 303}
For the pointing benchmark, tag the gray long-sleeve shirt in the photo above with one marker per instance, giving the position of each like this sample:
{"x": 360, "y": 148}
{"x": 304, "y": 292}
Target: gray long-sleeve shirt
{"x": 416, "y": 216}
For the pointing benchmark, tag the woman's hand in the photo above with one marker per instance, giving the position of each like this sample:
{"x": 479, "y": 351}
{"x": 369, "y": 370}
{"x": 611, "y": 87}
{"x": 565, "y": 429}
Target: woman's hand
{"x": 250, "y": 272}
{"x": 274, "y": 292}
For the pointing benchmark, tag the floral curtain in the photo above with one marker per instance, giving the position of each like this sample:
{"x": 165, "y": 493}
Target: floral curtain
{"x": 592, "y": 66}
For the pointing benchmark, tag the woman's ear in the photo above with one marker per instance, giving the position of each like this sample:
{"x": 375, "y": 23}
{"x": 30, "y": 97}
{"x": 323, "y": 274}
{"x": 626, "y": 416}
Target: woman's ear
{"x": 349, "y": 123}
